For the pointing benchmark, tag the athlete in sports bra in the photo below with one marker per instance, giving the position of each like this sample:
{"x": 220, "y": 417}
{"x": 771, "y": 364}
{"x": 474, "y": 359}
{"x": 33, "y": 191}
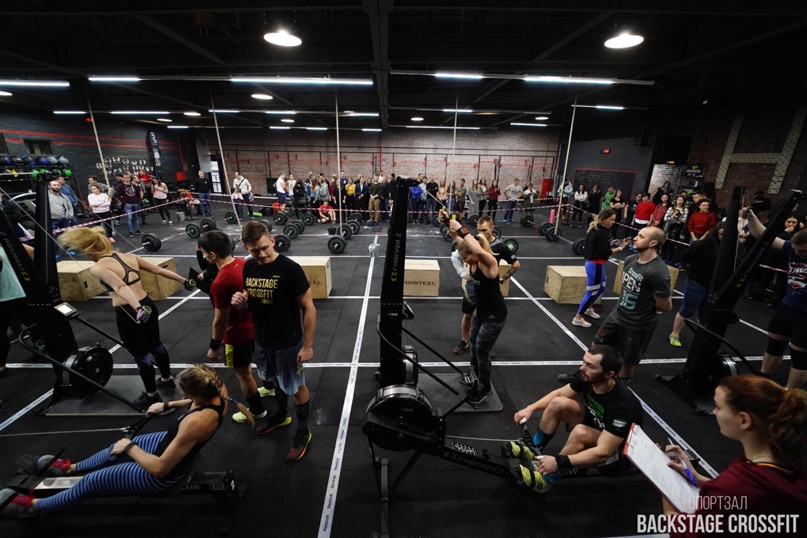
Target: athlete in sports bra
{"x": 148, "y": 463}
{"x": 135, "y": 312}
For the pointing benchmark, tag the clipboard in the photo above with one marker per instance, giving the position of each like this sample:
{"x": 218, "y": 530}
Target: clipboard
{"x": 652, "y": 462}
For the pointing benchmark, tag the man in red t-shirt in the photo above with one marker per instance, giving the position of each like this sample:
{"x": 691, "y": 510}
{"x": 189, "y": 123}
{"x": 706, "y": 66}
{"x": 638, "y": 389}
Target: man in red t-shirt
{"x": 231, "y": 326}
{"x": 326, "y": 213}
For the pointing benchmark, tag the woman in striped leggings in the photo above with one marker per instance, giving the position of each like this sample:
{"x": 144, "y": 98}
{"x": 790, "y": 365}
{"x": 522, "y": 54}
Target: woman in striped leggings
{"x": 149, "y": 463}
{"x": 597, "y": 251}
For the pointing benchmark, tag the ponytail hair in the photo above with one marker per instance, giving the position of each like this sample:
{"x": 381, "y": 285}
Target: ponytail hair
{"x": 781, "y": 414}
{"x": 88, "y": 240}
{"x": 604, "y": 215}
{"x": 202, "y": 381}
{"x": 481, "y": 239}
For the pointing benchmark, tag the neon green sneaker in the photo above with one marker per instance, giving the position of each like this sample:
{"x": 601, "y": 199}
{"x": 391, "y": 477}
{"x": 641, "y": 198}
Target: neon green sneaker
{"x": 239, "y": 417}
{"x": 675, "y": 341}
{"x": 517, "y": 449}
{"x": 264, "y": 392}
{"x": 532, "y": 479}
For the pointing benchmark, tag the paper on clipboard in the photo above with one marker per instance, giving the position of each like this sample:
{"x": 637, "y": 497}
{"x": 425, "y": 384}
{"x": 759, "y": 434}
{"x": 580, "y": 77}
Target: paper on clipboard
{"x": 652, "y": 462}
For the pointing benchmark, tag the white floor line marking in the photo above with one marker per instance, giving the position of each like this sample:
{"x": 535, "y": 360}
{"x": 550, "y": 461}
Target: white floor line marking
{"x": 666, "y": 427}
{"x": 329, "y": 505}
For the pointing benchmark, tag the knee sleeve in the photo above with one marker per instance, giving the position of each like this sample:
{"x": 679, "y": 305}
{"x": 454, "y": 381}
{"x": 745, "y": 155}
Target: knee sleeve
{"x": 798, "y": 359}
{"x": 776, "y": 347}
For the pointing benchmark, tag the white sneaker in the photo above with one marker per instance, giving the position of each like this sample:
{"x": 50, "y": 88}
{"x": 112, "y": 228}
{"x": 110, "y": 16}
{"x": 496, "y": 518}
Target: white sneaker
{"x": 163, "y": 222}
{"x": 170, "y": 223}
{"x": 592, "y": 314}
{"x": 580, "y": 322}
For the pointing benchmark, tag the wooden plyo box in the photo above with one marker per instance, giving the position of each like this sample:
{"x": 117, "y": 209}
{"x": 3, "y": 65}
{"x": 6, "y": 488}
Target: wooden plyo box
{"x": 75, "y": 281}
{"x": 566, "y": 284}
{"x": 618, "y": 279}
{"x": 158, "y": 287}
{"x": 505, "y": 286}
{"x": 317, "y": 270}
{"x": 422, "y": 278}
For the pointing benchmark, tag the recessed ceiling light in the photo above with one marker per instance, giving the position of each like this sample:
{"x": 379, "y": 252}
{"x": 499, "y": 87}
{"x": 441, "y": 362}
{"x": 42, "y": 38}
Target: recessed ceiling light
{"x": 624, "y": 41}
{"x": 417, "y": 118}
{"x": 164, "y": 120}
{"x": 262, "y": 96}
{"x": 192, "y": 113}
{"x": 287, "y": 120}
{"x": 5, "y": 94}
{"x": 542, "y": 118}
{"x": 283, "y": 39}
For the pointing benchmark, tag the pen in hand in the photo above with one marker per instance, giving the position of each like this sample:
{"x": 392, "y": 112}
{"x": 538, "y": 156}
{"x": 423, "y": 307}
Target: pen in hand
{"x": 689, "y": 474}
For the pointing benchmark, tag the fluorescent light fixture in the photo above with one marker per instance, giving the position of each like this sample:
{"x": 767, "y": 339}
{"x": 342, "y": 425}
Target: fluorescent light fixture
{"x": 123, "y": 78}
{"x": 262, "y": 96}
{"x": 287, "y": 120}
{"x": 279, "y": 127}
{"x": 141, "y": 112}
{"x": 304, "y": 80}
{"x": 357, "y": 114}
{"x": 570, "y": 80}
{"x": 458, "y": 110}
{"x": 283, "y": 39}
{"x": 192, "y": 113}
{"x": 440, "y": 127}
{"x": 5, "y": 94}
{"x": 177, "y": 126}
{"x": 416, "y": 118}
{"x": 316, "y": 128}
{"x": 462, "y": 76}
{"x": 69, "y": 112}
{"x": 369, "y": 130}
{"x": 164, "y": 120}
{"x": 41, "y": 83}
{"x": 542, "y": 118}
{"x": 280, "y": 112}
{"x": 516, "y": 124}
{"x": 224, "y": 110}
{"x": 601, "y": 107}
{"x": 624, "y": 41}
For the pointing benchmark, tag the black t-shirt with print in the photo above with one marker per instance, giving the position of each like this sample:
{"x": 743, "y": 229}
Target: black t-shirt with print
{"x": 613, "y": 411}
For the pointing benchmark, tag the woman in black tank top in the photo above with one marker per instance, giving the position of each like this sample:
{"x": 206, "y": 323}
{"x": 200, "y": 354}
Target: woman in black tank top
{"x": 149, "y": 463}
{"x": 491, "y": 311}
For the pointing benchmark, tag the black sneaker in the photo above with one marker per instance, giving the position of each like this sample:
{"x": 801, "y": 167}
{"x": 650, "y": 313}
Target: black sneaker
{"x": 461, "y": 347}
{"x": 479, "y": 393}
{"x": 144, "y": 401}
{"x": 271, "y": 422}
{"x": 166, "y": 384}
{"x": 131, "y": 234}
{"x": 566, "y": 378}
{"x": 298, "y": 447}
{"x": 137, "y": 232}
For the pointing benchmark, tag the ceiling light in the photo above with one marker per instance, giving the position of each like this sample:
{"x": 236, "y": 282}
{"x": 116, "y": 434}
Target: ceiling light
{"x": 223, "y": 111}
{"x": 114, "y": 79}
{"x": 316, "y": 128}
{"x": 304, "y": 80}
{"x": 357, "y": 114}
{"x": 279, "y": 127}
{"x": 287, "y": 120}
{"x": 515, "y": 124}
{"x": 458, "y": 110}
{"x": 533, "y": 78}
{"x": 283, "y": 39}
{"x": 42, "y": 83}
{"x": 570, "y": 80}
{"x": 262, "y": 96}
{"x": 369, "y": 130}
{"x": 164, "y": 120}
{"x": 417, "y": 118}
{"x": 192, "y": 113}
{"x": 5, "y": 94}
{"x": 437, "y": 127}
{"x": 141, "y": 112}
{"x": 282, "y": 112}
{"x": 542, "y": 118}
{"x": 69, "y": 112}
{"x": 601, "y": 107}
{"x": 624, "y": 41}
{"x": 463, "y": 76}
{"x": 177, "y": 126}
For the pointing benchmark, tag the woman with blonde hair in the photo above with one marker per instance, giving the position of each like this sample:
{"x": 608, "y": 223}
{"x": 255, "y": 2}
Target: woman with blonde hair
{"x": 136, "y": 314}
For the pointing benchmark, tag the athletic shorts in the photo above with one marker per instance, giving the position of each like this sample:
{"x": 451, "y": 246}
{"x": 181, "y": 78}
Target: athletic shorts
{"x": 791, "y": 323}
{"x": 283, "y": 363}
{"x": 238, "y": 355}
{"x": 632, "y": 343}
{"x": 281, "y": 198}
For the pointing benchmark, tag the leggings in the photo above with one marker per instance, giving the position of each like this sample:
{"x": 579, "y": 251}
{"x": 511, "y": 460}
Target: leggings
{"x": 481, "y": 338}
{"x": 492, "y": 206}
{"x": 106, "y": 477}
{"x": 142, "y": 340}
{"x": 595, "y": 285}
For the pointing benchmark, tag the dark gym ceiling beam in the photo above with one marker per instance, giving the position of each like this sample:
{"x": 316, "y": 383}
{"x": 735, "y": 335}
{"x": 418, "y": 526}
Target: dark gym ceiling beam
{"x": 182, "y": 37}
{"x": 378, "y": 12}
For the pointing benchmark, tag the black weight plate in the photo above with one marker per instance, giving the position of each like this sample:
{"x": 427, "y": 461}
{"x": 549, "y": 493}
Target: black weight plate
{"x": 336, "y": 244}
{"x": 497, "y": 233}
{"x": 436, "y": 220}
{"x": 473, "y": 219}
{"x": 579, "y": 246}
{"x": 291, "y": 231}
{"x": 300, "y": 226}
{"x": 546, "y": 227}
{"x": 281, "y": 218}
{"x": 445, "y": 232}
{"x": 151, "y": 242}
{"x": 345, "y": 231}
{"x": 193, "y": 231}
{"x": 553, "y": 236}
{"x": 356, "y": 216}
{"x": 512, "y": 244}
{"x": 207, "y": 224}
{"x": 527, "y": 221}
{"x": 309, "y": 219}
{"x": 233, "y": 243}
{"x": 282, "y": 243}
{"x": 95, "y": 363}
{"x": 354, "y": 225}
{"x": 231, "y": 217}
{"x": 267, "y": 223}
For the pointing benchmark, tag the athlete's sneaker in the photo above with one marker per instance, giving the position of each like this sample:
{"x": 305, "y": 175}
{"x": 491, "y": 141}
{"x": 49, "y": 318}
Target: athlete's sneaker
{"x": 531, "y": 479}
{"x": 492, "y": 354}
{"x": 592, "y": 314}
{"x": 47, "y": 463}
{"x": 298, "y": 447}
{"x": 264, "y": 392}
{"x": 479, "y": 393}
{"x": 517, "y": 449}
{"x": 580, "y": 322}
{"x": 20, "y": 505}
{"x": 170, "y": 223}
{"x": 144, "y": 401}
{"x": 271, "y": 422}
{"x": 239, "y": 417}
{"x": 675, "y": 341}
{"x": 166, "y": 383}
{"x": 461, "y": 347}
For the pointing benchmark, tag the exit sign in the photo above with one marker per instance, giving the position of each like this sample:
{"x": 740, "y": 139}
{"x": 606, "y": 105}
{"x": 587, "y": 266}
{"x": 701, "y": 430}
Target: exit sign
{"x": 606, "y": 151}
